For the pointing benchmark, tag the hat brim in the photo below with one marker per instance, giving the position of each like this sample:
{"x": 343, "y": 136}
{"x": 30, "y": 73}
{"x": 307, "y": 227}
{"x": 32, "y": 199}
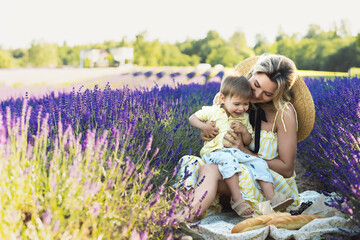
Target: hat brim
{"x": 302, "y": 100}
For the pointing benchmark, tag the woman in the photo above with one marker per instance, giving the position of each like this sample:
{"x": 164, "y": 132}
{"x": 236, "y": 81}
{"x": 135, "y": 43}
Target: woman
{"x": 280, "y": 99}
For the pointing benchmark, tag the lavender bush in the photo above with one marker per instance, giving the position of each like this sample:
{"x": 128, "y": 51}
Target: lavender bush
{"x": 71, "y": 192}
{"x": 332, "y": 151}
{"x": 95, "y": 163}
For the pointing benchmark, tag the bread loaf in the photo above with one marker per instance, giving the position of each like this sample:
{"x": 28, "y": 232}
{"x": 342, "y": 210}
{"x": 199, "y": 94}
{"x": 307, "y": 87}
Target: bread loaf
{"x": 292, "y": 222}
{"x": 256, "y": 222}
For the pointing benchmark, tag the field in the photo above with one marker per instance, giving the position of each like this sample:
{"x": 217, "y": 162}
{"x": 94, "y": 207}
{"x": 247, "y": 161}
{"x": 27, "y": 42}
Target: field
{"x": 96, "y": 162}
{"x": 37, "y": 81}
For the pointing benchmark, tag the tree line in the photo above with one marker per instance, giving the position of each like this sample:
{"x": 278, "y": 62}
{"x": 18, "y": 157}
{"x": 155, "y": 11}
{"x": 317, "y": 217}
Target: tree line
{"x": 333, "y": 50}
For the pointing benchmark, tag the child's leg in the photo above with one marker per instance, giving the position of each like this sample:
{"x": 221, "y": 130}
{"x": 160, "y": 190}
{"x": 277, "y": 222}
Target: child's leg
{"x": 258, "y": 167}
{"x": 268, "y": 189}
{"x": 229, "y": 169}
{"x": 278, "y": 201}
{"x": 233, "y": 185}
{"x": 243, "y": 209}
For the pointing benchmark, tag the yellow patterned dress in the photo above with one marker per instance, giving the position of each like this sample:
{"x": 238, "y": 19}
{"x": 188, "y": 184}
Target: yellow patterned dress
{"x": 190, "y": 165}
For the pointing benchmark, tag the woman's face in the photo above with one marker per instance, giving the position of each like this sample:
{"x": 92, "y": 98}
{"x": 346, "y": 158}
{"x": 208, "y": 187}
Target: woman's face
{"x": 262, "y": 87}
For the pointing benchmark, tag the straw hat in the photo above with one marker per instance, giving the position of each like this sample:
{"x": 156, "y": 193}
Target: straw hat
{"x": 303, "y": 101}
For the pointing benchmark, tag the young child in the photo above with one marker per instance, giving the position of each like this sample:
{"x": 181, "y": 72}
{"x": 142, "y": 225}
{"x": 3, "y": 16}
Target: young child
{"x": 235, "y": 95}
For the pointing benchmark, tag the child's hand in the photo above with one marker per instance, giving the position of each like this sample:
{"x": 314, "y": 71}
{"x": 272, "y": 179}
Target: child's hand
{"x": 238, "y": 127}
{"x": 209, "y": 131}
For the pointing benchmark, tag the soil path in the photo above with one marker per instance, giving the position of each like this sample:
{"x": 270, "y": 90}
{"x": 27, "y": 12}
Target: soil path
{"x": 304, "y": 183}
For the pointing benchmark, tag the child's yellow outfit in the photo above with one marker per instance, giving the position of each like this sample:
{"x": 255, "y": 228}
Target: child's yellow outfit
{"x": 229, "y": 159}
{"x": 217, "y": 114}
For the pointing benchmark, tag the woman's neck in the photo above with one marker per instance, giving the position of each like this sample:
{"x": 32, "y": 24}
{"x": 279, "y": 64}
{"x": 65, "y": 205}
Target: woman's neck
{"x": 267, "y": 106}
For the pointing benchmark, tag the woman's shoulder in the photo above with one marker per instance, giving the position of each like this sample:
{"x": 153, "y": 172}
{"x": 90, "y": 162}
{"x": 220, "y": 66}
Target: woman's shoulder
{"x": 287, "y": 117}
{"x": 288, "y": 109}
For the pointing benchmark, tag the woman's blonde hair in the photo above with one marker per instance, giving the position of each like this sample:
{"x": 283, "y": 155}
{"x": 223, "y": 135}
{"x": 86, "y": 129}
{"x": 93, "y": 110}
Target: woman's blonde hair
{"x": 280, "y": 70}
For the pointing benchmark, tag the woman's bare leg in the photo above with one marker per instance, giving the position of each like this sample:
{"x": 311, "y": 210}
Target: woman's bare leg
{"x": 205, "y": 189}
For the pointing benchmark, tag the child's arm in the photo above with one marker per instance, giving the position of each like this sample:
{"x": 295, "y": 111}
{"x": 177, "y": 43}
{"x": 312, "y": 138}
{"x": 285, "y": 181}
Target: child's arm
{"x": 208, "y": 130}
{"x": 246, "y": 136}
{"x": 240, "y": 129}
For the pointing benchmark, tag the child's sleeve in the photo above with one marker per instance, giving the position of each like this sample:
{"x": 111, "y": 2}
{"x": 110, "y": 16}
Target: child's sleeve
{"x": 204, "y": 113}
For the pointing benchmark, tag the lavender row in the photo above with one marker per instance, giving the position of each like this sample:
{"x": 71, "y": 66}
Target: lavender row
{"x": 160, "y": 114}
{"x": 189, "y": 75}
{"x": 332, "y": 152}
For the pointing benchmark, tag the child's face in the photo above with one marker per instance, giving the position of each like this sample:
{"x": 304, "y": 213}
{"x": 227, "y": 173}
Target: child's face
{"x": 235, "y": 105}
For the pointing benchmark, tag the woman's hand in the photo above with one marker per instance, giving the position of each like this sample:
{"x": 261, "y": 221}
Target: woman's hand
{"x": 209, "y": 132}
{"x": 235, "y": 140}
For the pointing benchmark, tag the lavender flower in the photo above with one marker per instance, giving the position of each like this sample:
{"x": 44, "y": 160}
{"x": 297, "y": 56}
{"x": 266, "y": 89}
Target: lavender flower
{"x": 96, "y": 209}
{"x": 148, "y": 146}
{"x": 47, "y": 217}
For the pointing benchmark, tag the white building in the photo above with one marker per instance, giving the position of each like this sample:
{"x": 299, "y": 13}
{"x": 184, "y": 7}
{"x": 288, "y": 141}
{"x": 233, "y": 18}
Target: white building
{"x": 122, "y": 55}
{"x": 95, "y": 58}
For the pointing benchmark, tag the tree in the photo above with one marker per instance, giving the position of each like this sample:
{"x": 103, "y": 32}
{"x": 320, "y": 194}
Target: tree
{"x": 314, "y": 31}
{"x": 305, "y": 57}
{"x": 263, "y": 46}
{"x": 345, "y": 28}
{"x": 188, "y": 47}
{"x": 281, "y": 34}
{"x": 224, "y": 55}
{"x": 6, "y": 60}
{"x": 142, "y": 50}
{"x": 43, "y": 54}
{"x": 287, "y": 47}
{"x": 212, "y": 40}
{"x": 68, "y": 56}
{"x": 172, "y": 56}
{"x": 154, "y": 53}
{"x": 238, "y": 42}
{"x": 18, "y": 53}
{"x": 20, "y": 57}
{"x": 344, "y": 58}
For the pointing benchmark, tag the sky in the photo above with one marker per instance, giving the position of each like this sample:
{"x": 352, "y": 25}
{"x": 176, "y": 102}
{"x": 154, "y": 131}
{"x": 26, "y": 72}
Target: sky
{"x": 89, "y": 21}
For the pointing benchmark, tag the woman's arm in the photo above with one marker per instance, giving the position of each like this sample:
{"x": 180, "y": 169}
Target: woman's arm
{"x": 287, "y": 144}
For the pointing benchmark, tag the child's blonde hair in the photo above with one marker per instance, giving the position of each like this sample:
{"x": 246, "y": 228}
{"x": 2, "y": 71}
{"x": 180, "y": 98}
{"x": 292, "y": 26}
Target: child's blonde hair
{"x": 236, "y": 85}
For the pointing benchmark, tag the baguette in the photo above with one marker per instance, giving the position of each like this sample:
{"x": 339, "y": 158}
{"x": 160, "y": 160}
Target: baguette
{"x": 293, "y": 222}
{"x": 256, "y": 222}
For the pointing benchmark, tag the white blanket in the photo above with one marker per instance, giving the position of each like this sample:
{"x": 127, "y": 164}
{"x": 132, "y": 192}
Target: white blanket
{"x": 220, "y": 225}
